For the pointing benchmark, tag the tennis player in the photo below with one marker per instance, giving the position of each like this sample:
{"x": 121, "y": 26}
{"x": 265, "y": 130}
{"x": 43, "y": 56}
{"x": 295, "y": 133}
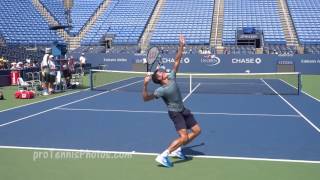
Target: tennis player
{"x": 182, "y": 118}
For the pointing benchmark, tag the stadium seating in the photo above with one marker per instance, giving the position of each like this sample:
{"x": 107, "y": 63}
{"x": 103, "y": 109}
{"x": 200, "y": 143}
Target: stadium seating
{"x": 21, "y": 23}
{"x": 192, "y": 18}
{"x": 312, "y": 49}
{"x": 306, "y": 18}
{"x": 279, "y": 49}
{"x": 262, "y": 14}
{"x": 125, "y": 19}
{"x": 81, "y": 11}
{"x": 56, "y": 9}
{"x": 20, "y": 53}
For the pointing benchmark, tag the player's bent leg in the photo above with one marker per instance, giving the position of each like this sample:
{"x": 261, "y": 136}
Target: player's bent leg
{"x": 195, "y": 131}
{"x": 175, "y": 146}
{"x": 164, "y": 159}
{"x": 183, "y": 138}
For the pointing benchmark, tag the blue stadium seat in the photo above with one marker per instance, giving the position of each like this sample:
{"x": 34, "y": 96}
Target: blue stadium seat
{"x": 81, "y": 12}
{"x": 123, "y": 18}
{"x": 306, "y": 18}
{"x": 262, "y": 14}
{"x": 22, "y": 24}
{"x": 192, "y": 18}
{"x": 56, "y": 9}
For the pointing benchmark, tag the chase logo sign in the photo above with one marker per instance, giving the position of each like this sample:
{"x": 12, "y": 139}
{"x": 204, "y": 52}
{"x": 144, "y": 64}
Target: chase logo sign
{"x": 246, "y": 61}
{"x": 185, "y": 60}
{"x": 210, "y": 60}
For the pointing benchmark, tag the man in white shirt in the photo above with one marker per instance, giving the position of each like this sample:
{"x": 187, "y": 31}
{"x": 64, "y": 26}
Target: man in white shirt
{"x": 52, "y": 73}
{"x": 82, "y": 60}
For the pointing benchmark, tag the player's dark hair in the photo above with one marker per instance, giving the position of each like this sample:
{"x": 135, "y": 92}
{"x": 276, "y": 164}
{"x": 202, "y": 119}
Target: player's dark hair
{"x": 155, "y": 78}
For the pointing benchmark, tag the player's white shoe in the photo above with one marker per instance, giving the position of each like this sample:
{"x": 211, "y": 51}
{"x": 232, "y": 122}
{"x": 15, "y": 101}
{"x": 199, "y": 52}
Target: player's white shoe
{"x": 165, "y": 161}
{"x": 179, "y": 154}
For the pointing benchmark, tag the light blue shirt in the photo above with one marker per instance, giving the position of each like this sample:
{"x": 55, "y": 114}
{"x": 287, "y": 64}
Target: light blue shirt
{"x": 170, "y": 94}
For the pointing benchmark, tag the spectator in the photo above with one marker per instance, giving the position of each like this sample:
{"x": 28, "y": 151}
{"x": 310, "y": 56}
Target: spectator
{"x": 28, "y": 63}
{"x": 66, "y": 72}
{"x": 45, "y": 72}
{"x": 13, "y": 65}
{"x": 82, "y": 60}
{"x": 2, "y": 63}
{"x": 19, "y": 65}
{"x": 52, "y": 74}
{"x": 5, "y": 64}
{"x": 71, "y": 65}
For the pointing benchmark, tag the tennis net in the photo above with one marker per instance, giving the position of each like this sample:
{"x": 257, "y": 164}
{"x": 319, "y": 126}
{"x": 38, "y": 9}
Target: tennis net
{"x": 229, "y": 83}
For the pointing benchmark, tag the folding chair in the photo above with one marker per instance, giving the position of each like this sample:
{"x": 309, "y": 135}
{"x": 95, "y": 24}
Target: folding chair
{"x": 36, "y": 80}
{"x": 60, "y": 83}
{"x": 76, "y": 80}
{"x": 24, "y": 85}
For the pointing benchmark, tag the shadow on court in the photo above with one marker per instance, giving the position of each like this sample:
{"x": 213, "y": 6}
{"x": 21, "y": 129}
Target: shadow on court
{"x": 177, "y": 161}
{"x": 189, "y": 150}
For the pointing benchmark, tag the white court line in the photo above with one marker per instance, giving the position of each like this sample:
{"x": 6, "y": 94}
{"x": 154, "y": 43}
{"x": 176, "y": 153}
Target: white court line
{"x": 62, "y": 95}
{"x": 302, "y": 91}
{"x": 310, "y": 96}
{"x": 185, "y": 98}
{"x": 155, "y": 154}
{"x": 295, "y": 109}
{"x": 165, "y": 112}
{"x": 43, "y": 100}
{"x": 42, "y": 112}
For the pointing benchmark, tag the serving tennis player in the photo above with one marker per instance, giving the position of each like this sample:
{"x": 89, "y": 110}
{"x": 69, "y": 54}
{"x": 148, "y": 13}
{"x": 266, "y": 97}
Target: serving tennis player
{"x": 181, "y": 117}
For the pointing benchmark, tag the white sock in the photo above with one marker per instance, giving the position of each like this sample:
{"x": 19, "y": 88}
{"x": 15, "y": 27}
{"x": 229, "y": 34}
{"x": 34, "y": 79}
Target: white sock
{"x": 165, "y": 153}
{"x": 177, "y": 150}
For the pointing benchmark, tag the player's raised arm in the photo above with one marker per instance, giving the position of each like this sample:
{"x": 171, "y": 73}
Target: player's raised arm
{"x": 182, "y": 42}
{"x": 145, "y": 95}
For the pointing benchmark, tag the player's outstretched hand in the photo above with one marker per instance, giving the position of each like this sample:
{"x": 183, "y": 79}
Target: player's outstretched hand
{"x": 147, "y": 80}
{"x": 182, "y": 40}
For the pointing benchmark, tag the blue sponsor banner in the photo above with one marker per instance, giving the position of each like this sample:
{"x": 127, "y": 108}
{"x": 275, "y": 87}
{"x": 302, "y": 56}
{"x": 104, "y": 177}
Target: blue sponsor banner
{"x": 307, "y": 64}
{"x": 223, "y": 64}
{"x": 114, "y": 61}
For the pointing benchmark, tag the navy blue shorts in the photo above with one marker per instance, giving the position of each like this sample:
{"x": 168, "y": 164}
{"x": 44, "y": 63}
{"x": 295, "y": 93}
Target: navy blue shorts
{"x": 183, "y": 119}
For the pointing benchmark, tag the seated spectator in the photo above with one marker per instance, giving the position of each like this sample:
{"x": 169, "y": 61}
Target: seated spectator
{"x": 71, "y": 65}
{"x": 13, "y": 66}
{"x": 66, "y": 72}
{"x": 28, "y": 63}
{"x": 2, "y": 63}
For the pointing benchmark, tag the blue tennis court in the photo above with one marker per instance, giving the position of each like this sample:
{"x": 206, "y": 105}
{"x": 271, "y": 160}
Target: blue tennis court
{"x": 234, "y": 125}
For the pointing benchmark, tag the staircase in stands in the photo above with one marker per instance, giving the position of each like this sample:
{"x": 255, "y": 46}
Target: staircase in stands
{"x": 217, "y": 26}
{"x": 147, "y": 34}
{"x": 72, "y": 41}
{"x": 287, "y": 24}
{"x": 52, "y": 22}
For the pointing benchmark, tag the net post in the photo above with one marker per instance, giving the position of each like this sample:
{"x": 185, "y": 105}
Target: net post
{"x": 299, "y": 83}
{"x": 190, "y": 83}
{"x": 91, "y": 79}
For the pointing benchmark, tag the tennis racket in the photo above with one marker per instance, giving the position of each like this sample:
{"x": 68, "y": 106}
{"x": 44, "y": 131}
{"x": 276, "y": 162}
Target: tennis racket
{"x": 152, "y": 57}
